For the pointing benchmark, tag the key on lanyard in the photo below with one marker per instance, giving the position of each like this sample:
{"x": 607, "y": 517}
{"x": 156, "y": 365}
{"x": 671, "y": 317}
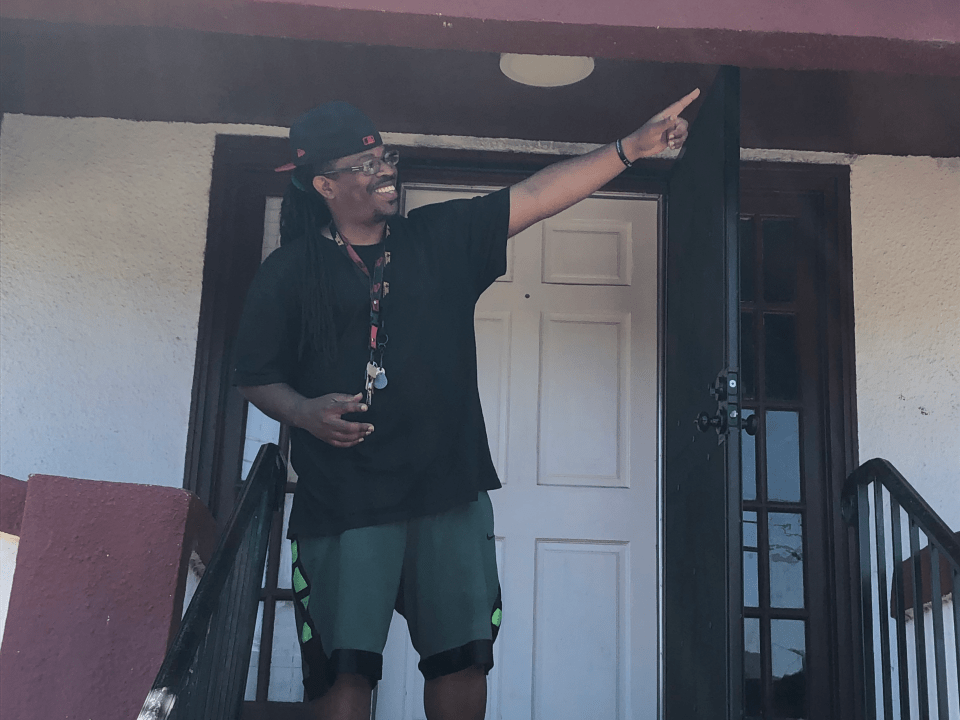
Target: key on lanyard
{"x": 370, "y": 381}
{"x": 376, "y": 379}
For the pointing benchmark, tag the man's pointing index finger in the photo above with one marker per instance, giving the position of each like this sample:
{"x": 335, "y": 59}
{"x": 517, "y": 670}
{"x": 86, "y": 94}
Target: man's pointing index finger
{"x": 679, "y": 106}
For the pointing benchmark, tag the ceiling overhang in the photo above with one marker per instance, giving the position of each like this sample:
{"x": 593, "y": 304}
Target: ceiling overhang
{"x": 806, "y": 84}
{"x": 164, "y": 74}
{"x": 919, "y": 37}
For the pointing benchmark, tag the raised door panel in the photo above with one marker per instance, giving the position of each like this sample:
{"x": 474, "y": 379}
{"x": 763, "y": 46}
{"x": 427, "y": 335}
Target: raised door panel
{"x": 584, "y": 393}
{"x": 595, "y": 251}
{"x": 581, "y": 639}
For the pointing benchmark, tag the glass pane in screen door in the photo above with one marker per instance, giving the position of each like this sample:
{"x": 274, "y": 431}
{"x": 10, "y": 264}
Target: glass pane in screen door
{"x": 779, "y": 260}
{"x": 783, "y": 455}
{"x": 780, "y": 362}
{"x": 748, "y": 462}
{"x": 752, "y": 670}
{"x": 751, "y": 560}
{"x": 785, "y": 532}
{"x": 788, "y": 668}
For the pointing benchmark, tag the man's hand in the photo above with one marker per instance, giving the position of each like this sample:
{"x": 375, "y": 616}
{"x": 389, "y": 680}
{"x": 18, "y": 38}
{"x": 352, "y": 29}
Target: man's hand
{"x": 566, "y": 183}
{"x": 664, "y": 130}
{"x": 322, "y": 417}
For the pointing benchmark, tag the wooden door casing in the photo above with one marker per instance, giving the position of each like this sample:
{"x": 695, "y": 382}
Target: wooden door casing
{"x": 702, "y": 649}
{"x": 813, "y": 201}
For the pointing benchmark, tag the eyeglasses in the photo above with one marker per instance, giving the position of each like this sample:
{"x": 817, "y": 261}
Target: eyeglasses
{"x": 371, "y": 166}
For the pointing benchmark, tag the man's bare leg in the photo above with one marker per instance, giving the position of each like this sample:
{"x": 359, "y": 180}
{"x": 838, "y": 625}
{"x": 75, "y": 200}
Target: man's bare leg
{"x": 460, "y": 696}
{"x": 348, "y": 699}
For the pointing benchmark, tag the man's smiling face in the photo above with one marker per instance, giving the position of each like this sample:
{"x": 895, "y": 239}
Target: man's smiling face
{"x": 362, "y": 198}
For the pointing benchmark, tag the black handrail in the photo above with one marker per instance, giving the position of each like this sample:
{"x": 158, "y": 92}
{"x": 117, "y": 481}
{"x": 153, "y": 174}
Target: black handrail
{"x": 858, "y": 503}
{"x": 204, "y": 672}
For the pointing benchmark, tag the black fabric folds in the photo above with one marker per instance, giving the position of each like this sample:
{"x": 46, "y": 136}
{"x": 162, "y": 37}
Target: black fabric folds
{"x": 429, "y": 451}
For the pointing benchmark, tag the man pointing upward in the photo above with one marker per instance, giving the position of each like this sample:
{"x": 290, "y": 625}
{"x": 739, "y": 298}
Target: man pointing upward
{"x": 358, "y": 333}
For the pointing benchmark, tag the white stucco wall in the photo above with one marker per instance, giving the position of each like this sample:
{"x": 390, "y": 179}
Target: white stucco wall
{"x": 102, "y": 232}
{"x": 905, "y": 215}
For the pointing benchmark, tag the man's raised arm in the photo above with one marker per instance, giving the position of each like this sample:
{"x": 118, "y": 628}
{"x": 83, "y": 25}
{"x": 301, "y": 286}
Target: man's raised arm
{"x": 566, "y": 183}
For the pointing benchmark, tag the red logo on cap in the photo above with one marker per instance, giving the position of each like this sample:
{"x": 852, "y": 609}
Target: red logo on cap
{"x": 369, "y": 140}
{"x": 301, "y": 153}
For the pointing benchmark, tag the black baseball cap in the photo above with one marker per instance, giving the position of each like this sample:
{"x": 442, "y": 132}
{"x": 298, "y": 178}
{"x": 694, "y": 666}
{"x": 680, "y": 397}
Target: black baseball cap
{"x": 333, "y": 130}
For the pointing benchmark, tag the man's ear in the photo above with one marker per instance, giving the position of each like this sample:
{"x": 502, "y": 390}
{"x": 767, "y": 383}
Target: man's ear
{"x": 322, "y": 184}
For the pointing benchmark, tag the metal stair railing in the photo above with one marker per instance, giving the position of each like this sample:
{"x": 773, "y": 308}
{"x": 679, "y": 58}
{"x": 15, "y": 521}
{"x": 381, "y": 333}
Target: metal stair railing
{"x": 872, "y": 500}
{"x": 204, "y": 672}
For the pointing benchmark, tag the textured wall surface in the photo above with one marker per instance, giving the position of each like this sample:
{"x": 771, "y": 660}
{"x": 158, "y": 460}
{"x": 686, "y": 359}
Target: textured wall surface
{"x": 96, "y": 596}
{"x": 905, "y": 214}
{"x": 103, "y": 231}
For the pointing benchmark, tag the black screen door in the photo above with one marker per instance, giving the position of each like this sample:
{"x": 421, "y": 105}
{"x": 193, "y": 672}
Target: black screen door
{"x": 701, "y": 528}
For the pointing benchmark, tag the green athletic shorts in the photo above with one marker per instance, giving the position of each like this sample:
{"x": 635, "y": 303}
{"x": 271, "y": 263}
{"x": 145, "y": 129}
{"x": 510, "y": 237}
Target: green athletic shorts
{"x": 438, "y": 571}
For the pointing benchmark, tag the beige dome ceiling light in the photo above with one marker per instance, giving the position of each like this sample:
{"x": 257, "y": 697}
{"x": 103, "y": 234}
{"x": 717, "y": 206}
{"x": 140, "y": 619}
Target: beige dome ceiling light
{"x": 545, "y": 70}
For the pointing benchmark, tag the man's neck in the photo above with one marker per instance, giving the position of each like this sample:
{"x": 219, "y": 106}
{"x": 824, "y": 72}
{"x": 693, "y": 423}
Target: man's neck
{"x": 361, "y": 233}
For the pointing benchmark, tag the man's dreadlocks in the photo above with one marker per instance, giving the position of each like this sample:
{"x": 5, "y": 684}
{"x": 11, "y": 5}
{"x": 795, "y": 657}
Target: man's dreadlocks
{"x": 303, "y": 214}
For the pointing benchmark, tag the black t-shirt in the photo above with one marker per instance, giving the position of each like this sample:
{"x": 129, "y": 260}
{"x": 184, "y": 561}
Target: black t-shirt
{"x": 429, "y": 449}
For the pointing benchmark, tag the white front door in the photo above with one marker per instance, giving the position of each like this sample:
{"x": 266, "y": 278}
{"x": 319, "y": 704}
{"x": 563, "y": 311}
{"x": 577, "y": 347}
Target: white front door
{"x": 567, "y": 351}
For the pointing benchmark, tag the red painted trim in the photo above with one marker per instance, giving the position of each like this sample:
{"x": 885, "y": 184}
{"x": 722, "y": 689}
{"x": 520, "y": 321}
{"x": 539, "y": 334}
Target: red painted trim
{"x": 97, "y": 594}
{"x": 13, "y": 494}
{"x": 919, "y": 20}
{"x": 899, "y": 49}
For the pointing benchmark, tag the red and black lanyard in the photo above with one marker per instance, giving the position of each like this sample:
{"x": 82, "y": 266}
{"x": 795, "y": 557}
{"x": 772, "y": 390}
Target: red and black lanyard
{"x": 378, "y": 288}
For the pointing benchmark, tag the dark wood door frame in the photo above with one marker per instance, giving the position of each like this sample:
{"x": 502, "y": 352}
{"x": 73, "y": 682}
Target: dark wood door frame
{"x": 827, "y": 188}
{"x": 242, "y": 169}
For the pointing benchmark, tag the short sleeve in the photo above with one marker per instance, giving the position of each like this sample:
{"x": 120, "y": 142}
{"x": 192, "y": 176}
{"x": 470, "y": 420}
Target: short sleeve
{"x": 267, "y": 341}
{"x": 475, "y": 230}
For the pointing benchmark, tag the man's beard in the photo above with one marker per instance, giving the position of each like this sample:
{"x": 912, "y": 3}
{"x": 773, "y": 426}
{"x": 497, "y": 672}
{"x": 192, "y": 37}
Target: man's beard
{"x": 381, "y": 216}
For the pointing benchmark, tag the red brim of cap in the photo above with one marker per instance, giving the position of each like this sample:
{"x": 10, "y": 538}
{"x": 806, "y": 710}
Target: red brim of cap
{"x": 285, "y": 168}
